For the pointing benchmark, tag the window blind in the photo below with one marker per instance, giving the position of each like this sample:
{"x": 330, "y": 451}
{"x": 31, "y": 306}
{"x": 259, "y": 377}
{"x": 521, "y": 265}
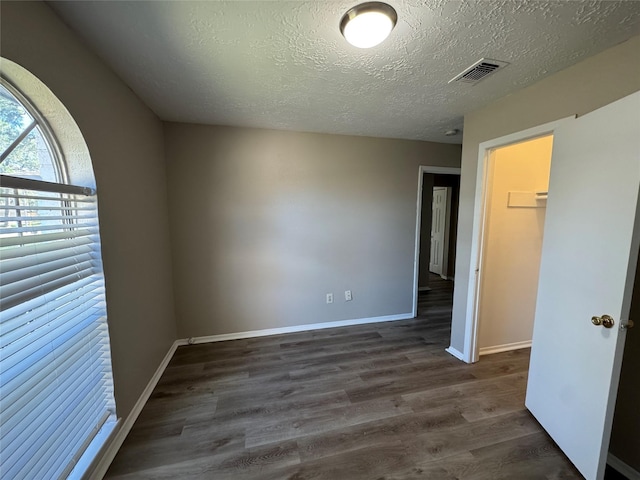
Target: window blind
{"x": 55, "y": 362}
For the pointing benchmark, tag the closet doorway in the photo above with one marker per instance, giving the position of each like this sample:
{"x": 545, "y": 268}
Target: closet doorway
{"x": 515, "y": 204}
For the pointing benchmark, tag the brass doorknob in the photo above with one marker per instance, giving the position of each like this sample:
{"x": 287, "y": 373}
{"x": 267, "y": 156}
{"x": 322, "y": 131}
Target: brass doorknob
{"x": 605, "y": 320}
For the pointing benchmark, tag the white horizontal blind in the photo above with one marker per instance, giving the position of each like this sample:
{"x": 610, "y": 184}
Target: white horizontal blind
{"x": 55, "y": 363}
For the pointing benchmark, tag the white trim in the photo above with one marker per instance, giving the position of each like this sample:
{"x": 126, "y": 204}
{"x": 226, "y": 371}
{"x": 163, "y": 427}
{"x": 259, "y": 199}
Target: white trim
{"x": 470, "y": 348}
{"x": 293, "y": 329}
{"x": 110, "y": 452}
{"x": 626, "y": 470}
{"x": 447, "y": 232}
{"x": 507, "y": 347}
{"x": 456, "y": 353}
{"x": 440, "y": 170}
{"x": 94, "y": 452}
{"x": 102, "y": 464}
{"x": 416, "y": 256}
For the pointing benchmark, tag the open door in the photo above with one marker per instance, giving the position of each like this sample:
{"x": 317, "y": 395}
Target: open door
{"x": 439, "y": 230}
{"x": 589, "y": 255}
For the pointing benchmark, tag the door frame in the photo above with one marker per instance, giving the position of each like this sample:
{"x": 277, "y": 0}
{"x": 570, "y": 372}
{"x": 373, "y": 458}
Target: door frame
{"x": 470, "y": 352}
{"x": 422, "y": 169}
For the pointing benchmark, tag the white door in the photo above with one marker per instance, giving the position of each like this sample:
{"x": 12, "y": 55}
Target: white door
{"x": 438, "y": 230}
{"x": 588, "y": 262}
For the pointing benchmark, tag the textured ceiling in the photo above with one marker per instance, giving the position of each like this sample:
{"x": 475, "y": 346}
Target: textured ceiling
{"x": 284, "y": 65}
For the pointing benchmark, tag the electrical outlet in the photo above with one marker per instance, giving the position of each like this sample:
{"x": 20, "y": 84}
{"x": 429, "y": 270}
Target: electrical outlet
{"x": 329, "y": 297}
{"x": 347, "y": 295}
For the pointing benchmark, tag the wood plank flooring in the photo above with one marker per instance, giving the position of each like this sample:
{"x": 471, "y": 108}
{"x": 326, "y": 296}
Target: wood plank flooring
{"x": 378, "y": 402}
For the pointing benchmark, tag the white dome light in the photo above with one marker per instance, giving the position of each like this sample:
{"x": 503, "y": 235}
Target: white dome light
{"x": 368, "y": 24}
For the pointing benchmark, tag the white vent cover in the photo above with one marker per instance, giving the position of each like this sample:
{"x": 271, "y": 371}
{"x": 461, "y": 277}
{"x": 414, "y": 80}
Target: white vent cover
{"x": 479, "y": 70}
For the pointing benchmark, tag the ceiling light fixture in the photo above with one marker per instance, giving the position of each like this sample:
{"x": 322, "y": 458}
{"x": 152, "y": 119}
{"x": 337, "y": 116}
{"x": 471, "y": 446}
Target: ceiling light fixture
{"x": 368, "y": 24}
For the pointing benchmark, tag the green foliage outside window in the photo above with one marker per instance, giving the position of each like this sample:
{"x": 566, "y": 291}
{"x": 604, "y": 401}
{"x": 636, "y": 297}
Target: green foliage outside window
{"x": 24, "y": 160}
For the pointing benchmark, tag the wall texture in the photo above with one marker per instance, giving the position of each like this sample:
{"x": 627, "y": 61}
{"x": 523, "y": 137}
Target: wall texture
{"x": 512, "y": 244}
{"x": 575, "y": 90}
{"x": 125, "y": 142}
{"x": 264, "y": 223}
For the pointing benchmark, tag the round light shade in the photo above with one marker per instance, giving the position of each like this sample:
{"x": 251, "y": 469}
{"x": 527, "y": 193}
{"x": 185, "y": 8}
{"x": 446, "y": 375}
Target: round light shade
{"x": 368, "y": 24}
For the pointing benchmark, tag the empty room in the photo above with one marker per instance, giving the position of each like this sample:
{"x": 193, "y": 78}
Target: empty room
{"x": 319, "y": 239}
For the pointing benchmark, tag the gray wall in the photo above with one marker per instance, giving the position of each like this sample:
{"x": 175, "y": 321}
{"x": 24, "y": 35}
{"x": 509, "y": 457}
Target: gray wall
{"x": 125, "y": 143}
{"x": 264, "y": 223}
{"x": 584, "y": 87}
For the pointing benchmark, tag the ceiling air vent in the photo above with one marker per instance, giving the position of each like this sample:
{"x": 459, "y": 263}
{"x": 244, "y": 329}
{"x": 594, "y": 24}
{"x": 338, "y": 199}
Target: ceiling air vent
{"x": 479, "y": 70}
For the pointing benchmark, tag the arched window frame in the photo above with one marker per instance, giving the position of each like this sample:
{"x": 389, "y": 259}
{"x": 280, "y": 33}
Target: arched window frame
{"x": 40, "y": 122}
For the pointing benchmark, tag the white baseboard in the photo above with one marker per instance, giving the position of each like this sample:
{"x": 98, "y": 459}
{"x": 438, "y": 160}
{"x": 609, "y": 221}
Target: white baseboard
{"x": 455, "y": 352}
{"x": 102, "y": 465}
{"x": 296, "y": 328}
{"x": 504, "y": 348}
{"x": 125, "y": 427}
{"x": 629, "y": 472}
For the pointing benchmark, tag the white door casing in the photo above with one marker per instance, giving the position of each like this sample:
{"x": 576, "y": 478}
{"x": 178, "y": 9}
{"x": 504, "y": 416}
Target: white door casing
{"x": 589, "y": 255}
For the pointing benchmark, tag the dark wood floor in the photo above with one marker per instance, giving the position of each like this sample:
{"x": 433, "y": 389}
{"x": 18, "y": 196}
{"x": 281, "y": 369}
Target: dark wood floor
{"x": 378, "y": 401}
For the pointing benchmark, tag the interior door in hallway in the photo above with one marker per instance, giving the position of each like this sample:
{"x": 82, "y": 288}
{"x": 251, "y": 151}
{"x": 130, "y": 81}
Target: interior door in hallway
{"x": 589, "y": 255}
{"x": 439, "y": 220}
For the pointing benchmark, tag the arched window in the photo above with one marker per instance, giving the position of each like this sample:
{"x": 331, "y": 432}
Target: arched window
{"x": 56, "y": 383}
{"x": 27, "y": 148}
